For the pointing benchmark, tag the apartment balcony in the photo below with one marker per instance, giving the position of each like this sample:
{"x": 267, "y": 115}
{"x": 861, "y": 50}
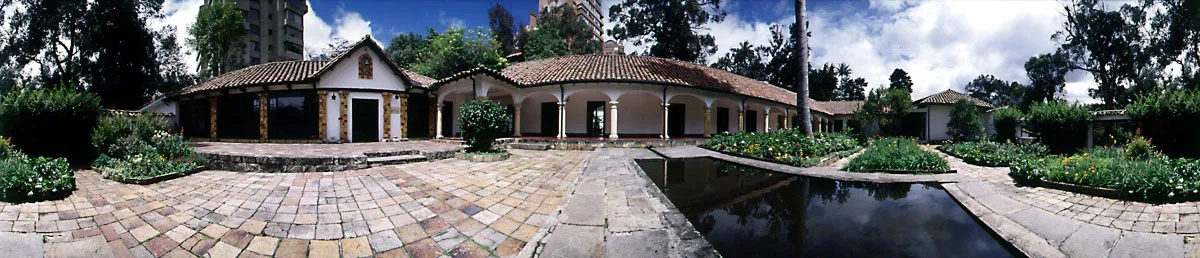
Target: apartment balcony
{"x": 296, "y": 5}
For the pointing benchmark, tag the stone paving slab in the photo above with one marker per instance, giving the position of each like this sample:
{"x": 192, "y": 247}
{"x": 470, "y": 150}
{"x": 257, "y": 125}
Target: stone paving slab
{"x": 20, "y": 245}
{"x": 448, "y": 207}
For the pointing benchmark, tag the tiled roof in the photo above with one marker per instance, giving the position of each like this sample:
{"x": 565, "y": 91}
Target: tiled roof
{"x": 623, "y": 68}
{"x": 293, "y": 72}
{"x": 840, "y": 107}
{"x": 262, "y": 74}
{"x": 950, "y": 96}
{"x": 1110, "y": 112}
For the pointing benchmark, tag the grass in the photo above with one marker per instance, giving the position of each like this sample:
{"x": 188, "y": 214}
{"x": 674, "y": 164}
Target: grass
{"x": 789, "y": 146}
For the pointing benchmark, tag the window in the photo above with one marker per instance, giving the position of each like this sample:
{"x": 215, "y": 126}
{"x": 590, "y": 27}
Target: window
{"x": 254, "y": 14}
{"x": 194, "y": 116}
{"x": 364, "y": 67}
{"x": 295, "y": 17}
{"x": 292, "y": 115}
{"x": 253, "y": 46}
{"x": 237, "y": 116}
{"x": 270, "y": 32}
{"x": 253, "y": 30}
{"x": 271, "y": 47}
{"x": 292, "y": 47}
{"x": 255, "y": 60}
{"x": 270, "y": 17}
{"x": 293, "y": 32}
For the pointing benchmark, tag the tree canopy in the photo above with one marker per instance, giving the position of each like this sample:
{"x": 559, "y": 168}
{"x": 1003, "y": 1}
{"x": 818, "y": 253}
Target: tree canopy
{"x": 218, "y": 37}
{"x": 458, "y": 50}
{"x": 996, "y": 91}
{"x": 900, "y": 80}
{"x": 501, "y": 23}
{"x": 1047, "y": 76}
{"x": 1107, "y": 44}
{"x": 406, "y": 47}
{"x": 545, "y": 42}
{"x": 672, "y": 28}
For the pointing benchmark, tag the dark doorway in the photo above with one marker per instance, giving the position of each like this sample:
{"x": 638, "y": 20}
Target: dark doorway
{"x": 549, "y": 118}
{"x": 595, "y": 118}
{"x": 447, "y": 119}
{"x": 418, "y": 116}
{"x": 675, "y": 118}
{"x": 751, "y": 121}
{"x": 913, "y": 125}
{"x": 365, "y": 119}
{"x": 722, "y": 119}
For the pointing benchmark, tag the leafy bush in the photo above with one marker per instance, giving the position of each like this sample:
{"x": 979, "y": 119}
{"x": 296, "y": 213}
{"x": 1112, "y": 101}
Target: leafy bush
{"x": 1061, "y": 126}
{"x": 1155, "y": 179}
{"x": 896, "y": 154}
{"x": 994, "y": 154}
{"x": 140, "y": 147}
{"x": 50, "y": 122}
{"x": 1006, "y": 121}
{"x": 789, "y": 146}
{"x": 6, "y": 149}
{"x": 885, "y": 108}
{"x": 32, "y": 179}
{"x": 1139, "y": 149}
{"x": 964, "y": 122}
{"x": 482, "y": 121}
{"x": 1171, "y": 119}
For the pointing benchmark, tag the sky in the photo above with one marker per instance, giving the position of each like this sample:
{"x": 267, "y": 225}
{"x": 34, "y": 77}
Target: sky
{"x": 941, "y": 44}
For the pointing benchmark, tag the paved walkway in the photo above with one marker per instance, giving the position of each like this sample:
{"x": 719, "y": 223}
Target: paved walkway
{"x": 319, "y": 150}
{"x": 447, "y": 207}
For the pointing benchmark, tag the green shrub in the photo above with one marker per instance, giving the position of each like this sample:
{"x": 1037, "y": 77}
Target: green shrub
{"x": 1171, "y": 119}
{"x": 1139, "y": 149}
{"x": 885, "y": 108}
{"x": 1006, "y": 121}
{"x": 6, "y": 149}
{"x": 964, "y": 122}
{"x": 1154, "y": 179}
{"x": 994, "y": 154}
{"x": 482, "y": 121}
{"x": 1061, "y": 126}
{"x": 140, "y": 147}
{"x": 50, "y": 122}
{"x": 896, "y": 154}
{"x": 32, "y": 179}
{"x": 789, "y": 146}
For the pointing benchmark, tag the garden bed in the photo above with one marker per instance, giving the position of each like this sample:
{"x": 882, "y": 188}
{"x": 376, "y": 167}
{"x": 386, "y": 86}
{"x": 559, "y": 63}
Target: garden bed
{"x": 1106, "y": 172}
{"x": 158, "y": 178}
{"x": 898, "y": 156}
{"x": 788, "y": 147}
{"x": 993, "y": 154}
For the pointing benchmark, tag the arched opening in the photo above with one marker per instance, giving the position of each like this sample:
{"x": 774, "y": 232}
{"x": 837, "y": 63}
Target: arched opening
{"x": 685, "y": 117}
{"x": 539, "y": 115}
{"x": 640, "y": 115}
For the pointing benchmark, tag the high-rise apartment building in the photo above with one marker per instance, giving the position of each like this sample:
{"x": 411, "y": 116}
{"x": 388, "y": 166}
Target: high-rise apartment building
{"x": 274, "y": 29}
{"x": 587, "y": 10}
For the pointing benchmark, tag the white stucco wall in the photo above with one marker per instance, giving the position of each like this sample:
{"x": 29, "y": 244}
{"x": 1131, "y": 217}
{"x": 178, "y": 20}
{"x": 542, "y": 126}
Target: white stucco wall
{"x": 939, "y": 116}
{"x": 345, "y": 75}
{"x": 639, "y": 113}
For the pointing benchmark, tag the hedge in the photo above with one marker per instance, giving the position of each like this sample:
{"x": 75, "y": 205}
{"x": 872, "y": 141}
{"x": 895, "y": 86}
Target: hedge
{"x": 50, "y": 122}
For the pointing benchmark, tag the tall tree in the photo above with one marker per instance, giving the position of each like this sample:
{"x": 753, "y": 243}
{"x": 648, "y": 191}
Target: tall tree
{"x": 544, "y": 42}
{"x": 885, "y": 108}
{"x": 1047, "y": 76}
{"x": 852, "y": 89}
{"x": 783, "y": 66}
{"x": 218, "y": 38}
{"x": 746, "y": 60}
{"x": 406, "y": 47}
{"x": 172, "y": 70}
{"x": 1177, "y": 38}
{"x": 1107, "y": 44}
{"x": 572, "y": 30}
{"x": 802, "y": 61}
{"x": 501, "y": 23}
{"x": 994, "y": 90}
{"x": 823, "y": 83}
{"x": 672, "y": 28}
{"x": 122, "y": 67}
{"x": 50, "y": 33}
{"x": 458, "y": 50}
{"x": 900, "y": 80}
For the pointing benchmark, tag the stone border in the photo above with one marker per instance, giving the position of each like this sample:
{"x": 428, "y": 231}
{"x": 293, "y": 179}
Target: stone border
{"x": 1105, "y": 192}
{"x": 819, "y": 172}
{"x": 677, "y": 223}
{"x": 159, "y": 178}
{"x": 906, "y": 172}
{"x": 482, "y": 157}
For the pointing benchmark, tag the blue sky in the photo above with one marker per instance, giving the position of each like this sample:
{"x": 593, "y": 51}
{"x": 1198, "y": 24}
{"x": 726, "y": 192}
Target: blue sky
{"x": 943, "y": 44}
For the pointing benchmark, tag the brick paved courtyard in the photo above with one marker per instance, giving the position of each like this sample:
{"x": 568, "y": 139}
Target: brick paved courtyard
{"x": 447, "y": 207}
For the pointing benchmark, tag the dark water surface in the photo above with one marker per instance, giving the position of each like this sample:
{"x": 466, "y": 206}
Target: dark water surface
{"x": 749, "y": 212}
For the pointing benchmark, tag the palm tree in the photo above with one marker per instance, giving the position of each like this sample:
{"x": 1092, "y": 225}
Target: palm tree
{"x": 802, "y": 84}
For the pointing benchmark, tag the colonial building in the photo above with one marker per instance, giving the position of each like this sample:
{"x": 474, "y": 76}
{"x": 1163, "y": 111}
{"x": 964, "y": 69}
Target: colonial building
{"x": 362, "y": 96}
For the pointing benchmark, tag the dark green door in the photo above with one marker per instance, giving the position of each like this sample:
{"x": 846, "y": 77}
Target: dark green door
{"x": 550, "y": 119}
{"x": 675, "y": 118}
{"x": 365, "y": 119}
{"x": 751, "y": 121}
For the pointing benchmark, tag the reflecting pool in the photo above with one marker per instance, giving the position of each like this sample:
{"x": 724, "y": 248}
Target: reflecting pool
{"x": 750, "y": 212}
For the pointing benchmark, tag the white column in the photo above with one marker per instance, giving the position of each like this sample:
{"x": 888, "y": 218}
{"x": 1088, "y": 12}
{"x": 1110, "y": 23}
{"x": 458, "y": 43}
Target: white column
{"x": 562, "y": 119}
{"x": 708, "y": 121}
{"x": 766, "y": 121}
{"x": 666, "y": 126}
{"x": 613, "y": 122}
{"x": 741, "y": 120}
{"x": 517, "y": 120}
{"x": 439, "y": 120}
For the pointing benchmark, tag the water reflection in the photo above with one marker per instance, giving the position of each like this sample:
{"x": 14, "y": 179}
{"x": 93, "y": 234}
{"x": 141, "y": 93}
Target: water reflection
{"x": 747, "y": 212}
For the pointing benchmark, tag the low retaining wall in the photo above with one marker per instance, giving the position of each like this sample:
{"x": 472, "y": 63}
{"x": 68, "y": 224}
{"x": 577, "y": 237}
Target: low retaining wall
{"x": 571, "y": 144}
{"x": 269, "y": 164}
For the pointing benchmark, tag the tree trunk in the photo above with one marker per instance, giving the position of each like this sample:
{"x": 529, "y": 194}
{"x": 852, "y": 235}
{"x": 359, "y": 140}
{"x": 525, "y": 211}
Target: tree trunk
{"x": 802, "y": 78}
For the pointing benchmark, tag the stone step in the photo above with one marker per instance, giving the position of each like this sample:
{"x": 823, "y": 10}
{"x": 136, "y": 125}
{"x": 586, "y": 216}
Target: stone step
{"x": 395, "y": 160}
{"x": 529, "y": 146}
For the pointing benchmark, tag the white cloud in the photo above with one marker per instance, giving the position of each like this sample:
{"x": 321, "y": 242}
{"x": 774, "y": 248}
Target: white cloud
{"x": 180, "y": 14}
{"x": 941, "y": 44}
{"x": 347, "y": 25}
{"x": 450, "y": 21}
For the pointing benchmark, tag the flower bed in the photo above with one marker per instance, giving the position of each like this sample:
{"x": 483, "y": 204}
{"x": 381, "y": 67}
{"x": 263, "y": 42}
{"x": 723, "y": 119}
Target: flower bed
{"x": 897, "y": 155}
{"x": 1156, "y": 179}
{"x": 138, "y": 149}
{"x": 32, "y": 179}
{"x": 993, "y": 154}
{"x": 789, "y": 146}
